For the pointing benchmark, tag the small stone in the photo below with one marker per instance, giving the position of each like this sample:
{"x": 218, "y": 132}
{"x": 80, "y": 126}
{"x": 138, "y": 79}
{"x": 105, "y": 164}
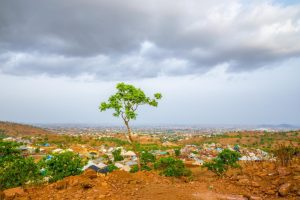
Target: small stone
{"x": 61, "y": 185}
{"x": 255, "y": 198}
{"x": 283, "y": 171}
{"x": 275, "y": 182}
{"x": 104, "y": 184}
{"x": 232, "y": 197}
{"x": 87, "y": 185}
{"x": 285, "y": 189}
{"x": 297, "y": 178}
{"x": 273, "y": 173}
{"x": 244, "y": 181}
{"x": 74, "y": 182}
{"x": 262, "y": 174}
{"x": 270, "y": 192}
{"x": 255, "y": 184}
{"x": 12, "y": 193}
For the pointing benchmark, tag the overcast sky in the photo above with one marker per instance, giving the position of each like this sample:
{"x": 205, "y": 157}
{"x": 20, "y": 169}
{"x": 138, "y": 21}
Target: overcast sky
{"x": 215, "y": 62}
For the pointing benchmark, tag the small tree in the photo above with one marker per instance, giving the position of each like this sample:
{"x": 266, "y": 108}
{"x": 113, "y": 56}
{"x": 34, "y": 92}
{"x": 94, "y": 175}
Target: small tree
{"x": 125, "y": 103}
{"x": 117, "y": 155}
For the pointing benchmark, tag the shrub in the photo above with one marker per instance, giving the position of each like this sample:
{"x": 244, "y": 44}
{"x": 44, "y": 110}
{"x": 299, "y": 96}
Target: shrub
{"x": 16, "y": 170}
{"x": 111, "y": 167}
{"x": 223, "y": 161}
{"x": 285, "y": 154}
{"x": 134, "y": 169}
{"x": 147, "y": 157}
{"x": 177, "y": 152}
{"x": 117, "y": 155}
{"x": 9, "y": 151}
{"x": 61, "y": 165}
{"x": 37, "y": 150}
{"x": 172, "y": 167}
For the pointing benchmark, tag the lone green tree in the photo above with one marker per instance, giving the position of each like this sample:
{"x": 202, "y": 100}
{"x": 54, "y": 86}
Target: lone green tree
{"x": 125, "y": 103}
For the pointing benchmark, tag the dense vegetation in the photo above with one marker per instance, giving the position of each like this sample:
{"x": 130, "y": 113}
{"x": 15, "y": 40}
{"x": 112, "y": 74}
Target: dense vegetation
{"x": 15, "y": 170}
{"x": 60, "y": 165}
{"x": 169, "y": 166}
{"x": 223, "y": 161}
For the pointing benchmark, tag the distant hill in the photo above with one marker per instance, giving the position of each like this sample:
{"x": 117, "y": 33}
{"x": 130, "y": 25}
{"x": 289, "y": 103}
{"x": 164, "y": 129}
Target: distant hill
{"x": 279, "y": 126}
{"x": 15, "y": 129}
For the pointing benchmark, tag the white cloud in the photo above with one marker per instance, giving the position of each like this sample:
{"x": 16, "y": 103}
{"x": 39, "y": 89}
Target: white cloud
{"x": 138, "y": 39}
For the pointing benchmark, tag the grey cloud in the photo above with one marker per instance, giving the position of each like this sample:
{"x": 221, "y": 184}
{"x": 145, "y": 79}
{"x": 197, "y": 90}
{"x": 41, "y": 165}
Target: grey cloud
{"x": 137, "y": 39}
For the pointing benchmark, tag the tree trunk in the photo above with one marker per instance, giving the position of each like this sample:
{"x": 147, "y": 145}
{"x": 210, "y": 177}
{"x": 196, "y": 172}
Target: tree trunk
{"x": 131, "y": 141}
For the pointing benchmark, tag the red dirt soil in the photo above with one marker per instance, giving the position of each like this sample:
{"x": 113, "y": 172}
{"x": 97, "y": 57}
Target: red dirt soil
{"x": 255, "y": 181}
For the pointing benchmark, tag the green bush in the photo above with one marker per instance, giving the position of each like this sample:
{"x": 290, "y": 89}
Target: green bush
{"x": 117, "y": 155}
{"x": 147, "y": 157}
{"x": 60, "y": 165}
{"x": 111, "y": 167}
{"x": 223, "y": 161}
{"x": 169, "y": 166}
{"x": 16, "y": 170}
{"x": 177, "y": 152}
{"x": 134, "y": 169}
{"x": 9, "y": 151}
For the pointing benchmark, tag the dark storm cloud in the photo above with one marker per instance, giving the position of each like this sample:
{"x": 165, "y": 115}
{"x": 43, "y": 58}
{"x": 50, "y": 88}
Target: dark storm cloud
{"x": 125, "y": 39}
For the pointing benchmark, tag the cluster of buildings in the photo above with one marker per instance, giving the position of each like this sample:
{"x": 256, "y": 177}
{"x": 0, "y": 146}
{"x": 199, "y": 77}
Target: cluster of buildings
{"x": 197, "y": 155}
{"x": 100, "y": 156}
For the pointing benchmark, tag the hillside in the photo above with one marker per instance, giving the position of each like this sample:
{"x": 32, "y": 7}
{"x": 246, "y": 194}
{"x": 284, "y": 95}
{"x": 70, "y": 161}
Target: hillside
{"x": 15, "y": 129}
{"x": 248, "y": 184}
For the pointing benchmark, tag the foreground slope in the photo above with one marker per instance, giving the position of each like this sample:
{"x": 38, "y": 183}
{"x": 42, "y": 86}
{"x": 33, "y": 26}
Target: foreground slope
{"x": 254, "y": 182}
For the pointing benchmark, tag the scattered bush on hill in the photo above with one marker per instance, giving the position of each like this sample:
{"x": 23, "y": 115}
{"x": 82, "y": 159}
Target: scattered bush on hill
{"x": 147, "y": 157}
{"x": 117, "y": 155}
{"x": 134, "y": 169}
{"x": 177, "y": 152}
{"x": 111, "y": 167}
{"x": 117, "y": 141}
{"x": 19, "y": 172}
{"x": 2, "y": 134}
{"x": 223, "y": 161}
{"x": 16, "y": 170}
{"x": 169, "y": 166}
{"x": 285, "y": 154}
{"x": 60, "y": 165}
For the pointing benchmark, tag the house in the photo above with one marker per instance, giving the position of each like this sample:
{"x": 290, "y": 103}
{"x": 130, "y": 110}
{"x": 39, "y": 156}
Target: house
{"x": 98, "y": 170}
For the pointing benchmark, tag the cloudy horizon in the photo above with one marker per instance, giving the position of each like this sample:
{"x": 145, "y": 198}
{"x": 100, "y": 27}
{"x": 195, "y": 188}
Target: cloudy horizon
{"x": 216, "y": 62}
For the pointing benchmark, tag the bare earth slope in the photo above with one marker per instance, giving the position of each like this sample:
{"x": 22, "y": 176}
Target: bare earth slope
{"x": 120, "y": 185}
{"x": 22, "y": 130}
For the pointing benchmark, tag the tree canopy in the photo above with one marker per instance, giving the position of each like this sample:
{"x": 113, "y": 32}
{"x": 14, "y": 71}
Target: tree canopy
{"x": 126, "y": 101}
